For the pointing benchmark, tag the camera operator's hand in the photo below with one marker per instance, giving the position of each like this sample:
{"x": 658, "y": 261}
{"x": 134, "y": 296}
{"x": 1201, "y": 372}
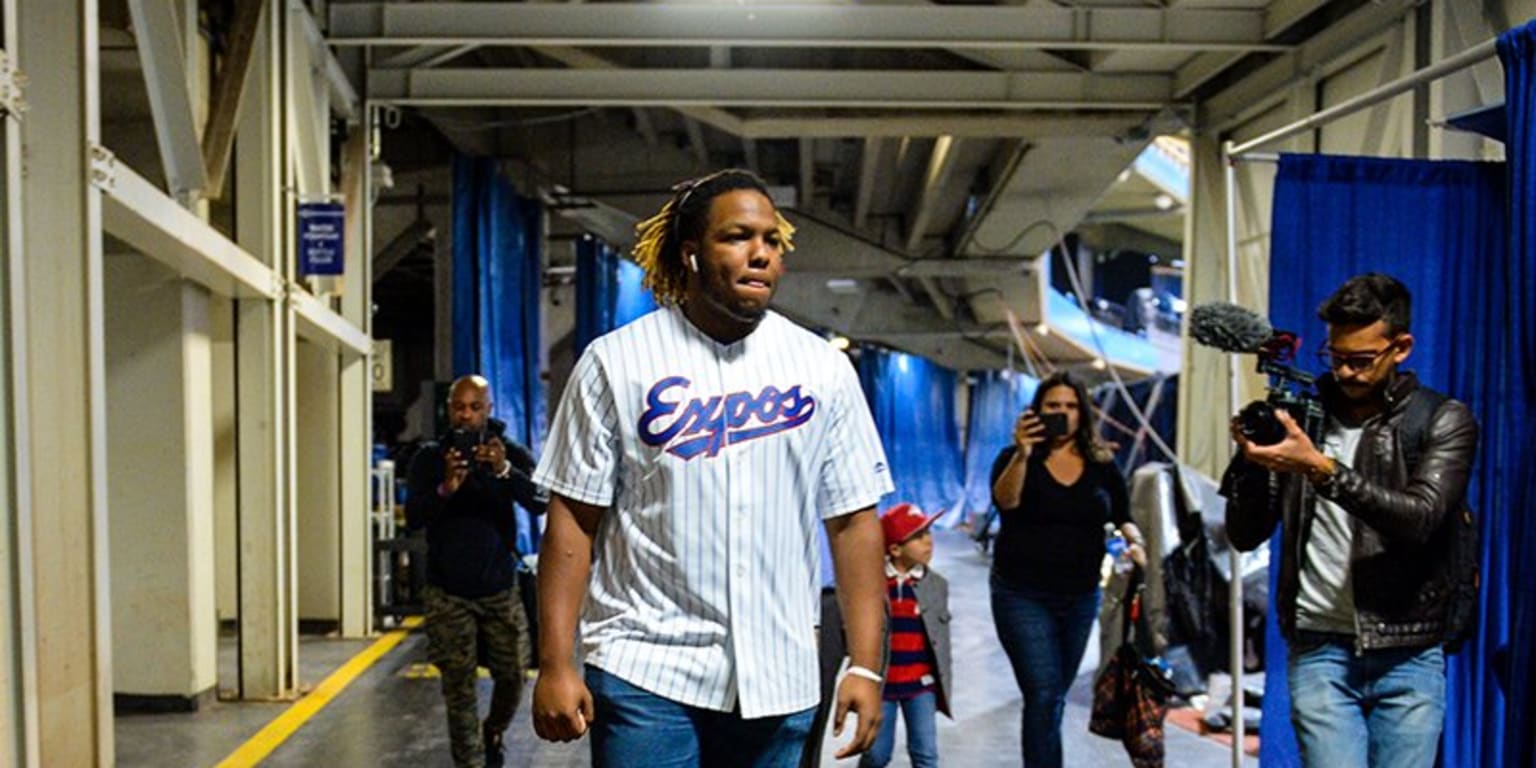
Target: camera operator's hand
{"x": 493, "y": 454}
{"x": 455, "y": 469}
{"x": 1295, "y": 454}
{"x": 1028, "y": 430}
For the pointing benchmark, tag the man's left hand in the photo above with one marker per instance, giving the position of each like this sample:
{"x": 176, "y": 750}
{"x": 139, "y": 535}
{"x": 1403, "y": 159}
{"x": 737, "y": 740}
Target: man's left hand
{"x": 1295, "y": 454}
{"x": 492, "y": 453}
{"x": 862, "y": 697}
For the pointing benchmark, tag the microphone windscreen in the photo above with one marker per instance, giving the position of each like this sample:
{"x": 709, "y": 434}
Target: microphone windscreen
{"x": 1229, "y": 327}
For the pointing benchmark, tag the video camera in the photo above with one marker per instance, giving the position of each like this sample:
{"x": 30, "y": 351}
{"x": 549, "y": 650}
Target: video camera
{"x": 1231, "y": 328}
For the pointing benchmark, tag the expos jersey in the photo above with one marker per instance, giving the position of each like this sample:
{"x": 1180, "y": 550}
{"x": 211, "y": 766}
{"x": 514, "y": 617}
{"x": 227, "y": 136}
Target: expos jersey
{"x": 716, "y": 462}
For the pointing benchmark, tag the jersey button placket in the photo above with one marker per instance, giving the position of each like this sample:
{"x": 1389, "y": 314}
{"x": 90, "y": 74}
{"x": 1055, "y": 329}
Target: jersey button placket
{"x": 736, "y": 536}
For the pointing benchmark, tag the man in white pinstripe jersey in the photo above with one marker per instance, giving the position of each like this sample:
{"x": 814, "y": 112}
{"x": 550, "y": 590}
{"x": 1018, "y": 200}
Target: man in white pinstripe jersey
{"x": 693, "y": 455}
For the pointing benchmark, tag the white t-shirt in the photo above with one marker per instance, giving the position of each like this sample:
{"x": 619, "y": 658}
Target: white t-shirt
{"x": 1325, "y": 601}
{"x": 716, "y": 463}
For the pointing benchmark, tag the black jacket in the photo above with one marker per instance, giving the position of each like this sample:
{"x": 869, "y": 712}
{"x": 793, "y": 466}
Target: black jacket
{"x": 1401, "y": 557}
{"x": 471, "y": 534}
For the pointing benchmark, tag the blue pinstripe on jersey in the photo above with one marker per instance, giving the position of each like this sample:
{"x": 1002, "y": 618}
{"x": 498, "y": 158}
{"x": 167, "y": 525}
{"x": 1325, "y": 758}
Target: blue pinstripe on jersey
{"x": 716, "y": 463}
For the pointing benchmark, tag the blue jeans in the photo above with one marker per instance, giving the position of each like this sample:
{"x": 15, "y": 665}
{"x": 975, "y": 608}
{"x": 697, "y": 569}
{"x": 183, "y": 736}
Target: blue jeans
{"x": 920, "y": 712}
{"x": 1044, "y": 635}
{"x": 635, "y": 727}
{"x": 1383, "y": 708}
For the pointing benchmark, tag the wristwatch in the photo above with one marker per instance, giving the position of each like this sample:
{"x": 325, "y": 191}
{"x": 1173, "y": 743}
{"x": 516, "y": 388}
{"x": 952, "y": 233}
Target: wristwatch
{"x": 505, "y": 471}
{"x": 1326, "y": 478}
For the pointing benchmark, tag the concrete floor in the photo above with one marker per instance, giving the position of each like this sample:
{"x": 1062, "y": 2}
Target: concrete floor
{"x": 391, "y": 717}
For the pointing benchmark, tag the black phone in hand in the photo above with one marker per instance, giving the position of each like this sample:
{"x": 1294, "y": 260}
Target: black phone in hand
{"x": 465, "y": 441}
{"x": 1055, "y": 424}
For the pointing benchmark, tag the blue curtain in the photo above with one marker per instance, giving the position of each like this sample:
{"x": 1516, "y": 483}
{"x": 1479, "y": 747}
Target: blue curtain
{"x": 913, "y": 403}
{"x": 496, "y": 295}
{"x": 1440, "y": 227}
{"x": 1515, "y": 281}
{"x": 997, "y": 397}
{"x": 609, "y": 293}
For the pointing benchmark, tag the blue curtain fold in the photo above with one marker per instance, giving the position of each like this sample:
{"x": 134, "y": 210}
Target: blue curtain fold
{"x": 913, "y": 404}
{"x": 1440, "y": 227}
{"x": 997, "y": 397}
{"x": 609, "y": 291}
{"x": 1516, "y": 278}
{"x": 497, "y": 278}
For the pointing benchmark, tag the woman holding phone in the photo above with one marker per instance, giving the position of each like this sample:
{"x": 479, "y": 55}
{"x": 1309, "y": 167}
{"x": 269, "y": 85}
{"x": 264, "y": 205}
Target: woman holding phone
{"x": 1055, "y": 488}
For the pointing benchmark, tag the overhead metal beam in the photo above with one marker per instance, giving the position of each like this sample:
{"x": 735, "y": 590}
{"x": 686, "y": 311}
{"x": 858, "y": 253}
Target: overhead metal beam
{"x": 696, "y": 140}
{"x": 798, "y": 26}
{"x": 404, "y": 244}
{"x": 344, "y": 100}
{"x": 1270, "y": 84}
{"x": 645, "y": 127}
{"x": 309, "y": 115}
{"x": 425, "y": 56}
{"x": 961, "y": 125}
{"x": 219, "y": 135}
{"x": 807, "y": 172}
{"x": 869, "y": 166}
{"x": 162, "y": 53}
{"x": 874, "y": 89}
{"x": 578, "y": 59}
{"x": 1201, "y": 70}
{"x": 749, "y": 155}
{"x": 1279, "y": 17}
{"x": 941, "y": 163}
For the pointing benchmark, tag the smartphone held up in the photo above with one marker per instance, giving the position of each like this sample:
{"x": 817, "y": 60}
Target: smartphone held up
{"x": 1055, "y": 425}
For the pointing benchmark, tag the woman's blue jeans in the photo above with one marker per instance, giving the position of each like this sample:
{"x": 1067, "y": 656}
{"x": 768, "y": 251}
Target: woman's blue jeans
{"x": 635, "y": 727}
{"x": 1044, "y": 635}
{"x": 920, "y": 713}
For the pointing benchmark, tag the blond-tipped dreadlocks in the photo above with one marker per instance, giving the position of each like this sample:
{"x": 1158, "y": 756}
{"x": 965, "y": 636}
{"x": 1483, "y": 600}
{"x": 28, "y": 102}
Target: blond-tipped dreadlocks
{"x": 658, "y": 243}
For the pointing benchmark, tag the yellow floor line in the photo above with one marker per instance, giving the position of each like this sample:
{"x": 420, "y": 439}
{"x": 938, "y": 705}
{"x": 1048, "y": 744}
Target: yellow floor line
{"x": 276, "y": 732}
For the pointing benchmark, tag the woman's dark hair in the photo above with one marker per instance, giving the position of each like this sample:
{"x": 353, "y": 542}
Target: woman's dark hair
{"x": 1087, "y": 436}
{"x": 1364, "y": 299}
{"x": 659, "y": 243}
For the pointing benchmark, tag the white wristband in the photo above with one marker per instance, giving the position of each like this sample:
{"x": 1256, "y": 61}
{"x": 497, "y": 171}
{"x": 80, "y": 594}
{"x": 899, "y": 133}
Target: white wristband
{"x": 866, "y": 673}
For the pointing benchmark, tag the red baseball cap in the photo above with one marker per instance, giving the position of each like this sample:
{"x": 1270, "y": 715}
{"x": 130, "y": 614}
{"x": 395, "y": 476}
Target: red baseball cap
{"x": 904, "y": 521}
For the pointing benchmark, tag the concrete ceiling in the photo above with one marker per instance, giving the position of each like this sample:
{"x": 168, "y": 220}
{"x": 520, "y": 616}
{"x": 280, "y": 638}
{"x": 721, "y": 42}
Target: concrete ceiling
{"x": 930, "y": 153}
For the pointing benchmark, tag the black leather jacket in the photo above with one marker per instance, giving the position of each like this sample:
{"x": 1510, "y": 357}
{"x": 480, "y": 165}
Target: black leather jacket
{"x": 1401, "y": 553}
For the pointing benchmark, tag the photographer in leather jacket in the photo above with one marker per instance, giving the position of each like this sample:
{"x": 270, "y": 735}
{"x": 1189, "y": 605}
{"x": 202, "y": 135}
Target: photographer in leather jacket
{"x": 1370, "y": 566}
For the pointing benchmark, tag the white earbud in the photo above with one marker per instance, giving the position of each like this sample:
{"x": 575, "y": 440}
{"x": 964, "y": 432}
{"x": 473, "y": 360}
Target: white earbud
{"x": 693, "y": 262}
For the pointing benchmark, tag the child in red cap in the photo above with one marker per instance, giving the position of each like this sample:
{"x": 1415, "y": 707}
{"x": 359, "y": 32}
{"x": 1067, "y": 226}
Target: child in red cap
{"x": 917, "y": 672}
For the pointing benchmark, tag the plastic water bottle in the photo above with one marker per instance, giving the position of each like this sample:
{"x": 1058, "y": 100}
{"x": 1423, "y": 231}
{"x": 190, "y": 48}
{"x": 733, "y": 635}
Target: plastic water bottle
{"x": 1117, "y": 547}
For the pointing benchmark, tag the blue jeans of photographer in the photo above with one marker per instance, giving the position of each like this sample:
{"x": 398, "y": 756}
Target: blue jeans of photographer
{"x": 1381, "y": 708}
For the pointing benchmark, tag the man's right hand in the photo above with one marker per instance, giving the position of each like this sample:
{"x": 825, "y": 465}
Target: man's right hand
{"x": 562, "y": 705}
{"x": 455, "y": 470}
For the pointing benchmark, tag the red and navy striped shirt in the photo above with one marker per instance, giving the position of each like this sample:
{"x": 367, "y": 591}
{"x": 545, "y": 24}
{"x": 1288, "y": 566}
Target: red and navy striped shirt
{"x": 910, "y": 672}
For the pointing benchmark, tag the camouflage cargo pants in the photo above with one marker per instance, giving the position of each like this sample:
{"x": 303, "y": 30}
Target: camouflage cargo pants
{"x": 463, "y": 633}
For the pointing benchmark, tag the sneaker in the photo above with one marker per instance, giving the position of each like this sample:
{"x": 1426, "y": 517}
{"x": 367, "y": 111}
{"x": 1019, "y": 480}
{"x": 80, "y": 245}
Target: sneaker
{"x": 494, "y": 757}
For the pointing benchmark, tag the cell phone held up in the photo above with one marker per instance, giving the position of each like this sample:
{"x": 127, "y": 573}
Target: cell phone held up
{"x": 465, "y": 441}
{"x": 1055, "y": 425}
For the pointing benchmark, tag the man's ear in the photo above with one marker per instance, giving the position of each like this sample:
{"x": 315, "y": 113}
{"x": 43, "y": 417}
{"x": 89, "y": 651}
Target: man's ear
{"x": 1404, "y": 344}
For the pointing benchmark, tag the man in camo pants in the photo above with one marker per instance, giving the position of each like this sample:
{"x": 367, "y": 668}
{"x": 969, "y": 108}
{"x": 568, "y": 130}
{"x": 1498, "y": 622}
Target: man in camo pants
{"x": 462, "y": 491}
